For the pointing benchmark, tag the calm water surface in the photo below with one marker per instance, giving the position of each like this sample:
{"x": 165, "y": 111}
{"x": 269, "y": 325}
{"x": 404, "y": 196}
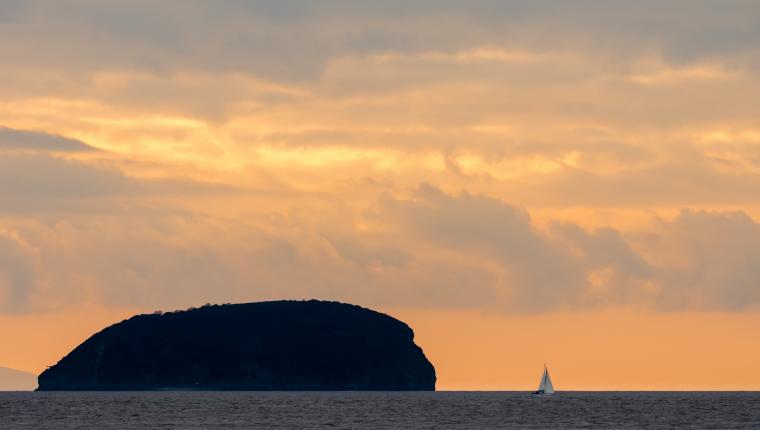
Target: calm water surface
{"x": 465, "y": 410}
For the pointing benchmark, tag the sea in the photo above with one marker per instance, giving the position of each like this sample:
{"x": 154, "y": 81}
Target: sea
{"x": 379, "y": 410}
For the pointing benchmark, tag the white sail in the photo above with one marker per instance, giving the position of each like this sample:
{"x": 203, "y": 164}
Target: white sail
{"x": 542, "y": 384}
{"x": 546, "y": 386}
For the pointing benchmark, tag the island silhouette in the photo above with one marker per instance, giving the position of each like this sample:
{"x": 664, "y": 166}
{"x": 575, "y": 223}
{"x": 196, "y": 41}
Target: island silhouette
{"x": 16, "y": 380}
{"x": 278, "y": 345}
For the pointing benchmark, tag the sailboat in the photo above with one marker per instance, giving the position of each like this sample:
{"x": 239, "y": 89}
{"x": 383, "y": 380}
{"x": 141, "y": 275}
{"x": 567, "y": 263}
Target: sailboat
{"x": 545, "y": 388}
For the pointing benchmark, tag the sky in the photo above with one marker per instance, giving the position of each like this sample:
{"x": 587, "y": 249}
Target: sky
{"x": 574, "y": 183}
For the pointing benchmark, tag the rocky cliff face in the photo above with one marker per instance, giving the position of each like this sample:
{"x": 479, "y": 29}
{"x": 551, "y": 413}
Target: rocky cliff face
{"x": 283, "y": 345}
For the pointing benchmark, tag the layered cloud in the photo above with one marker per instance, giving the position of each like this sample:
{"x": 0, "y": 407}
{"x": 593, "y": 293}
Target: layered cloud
{"x": 296, "y": 38}
{"x": 503, "y": 155}
{"x": 134, "y": 242}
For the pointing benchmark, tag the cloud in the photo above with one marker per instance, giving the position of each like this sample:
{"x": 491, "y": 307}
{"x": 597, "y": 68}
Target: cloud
{"x": 266, "y": 149}
{"x": 11, "y": 139}
{"x": 695, "y": 182}
{"x": 698, "y": 260}
{"x": 713, "y": 260}
{"x": 34, "y": 178}
{"x": 426, "y": 248}
{"x": 540, "y": 272}
{"x": 18, "y": 274}
{"x": 44, "y": 181}
{"x": 217, "y": 85}
{"x": 296, "y": 40}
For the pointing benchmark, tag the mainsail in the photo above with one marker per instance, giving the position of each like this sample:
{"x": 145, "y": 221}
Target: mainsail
{"x": 546, "y": 386}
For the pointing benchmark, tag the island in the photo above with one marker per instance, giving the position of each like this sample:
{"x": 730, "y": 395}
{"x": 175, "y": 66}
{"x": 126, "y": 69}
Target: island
{"x": 16, "y": 380}
{"x": 277, "y": 345}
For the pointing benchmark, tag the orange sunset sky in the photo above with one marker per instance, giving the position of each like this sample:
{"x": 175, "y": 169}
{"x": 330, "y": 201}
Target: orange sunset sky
{"x": 574, "y": 183}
